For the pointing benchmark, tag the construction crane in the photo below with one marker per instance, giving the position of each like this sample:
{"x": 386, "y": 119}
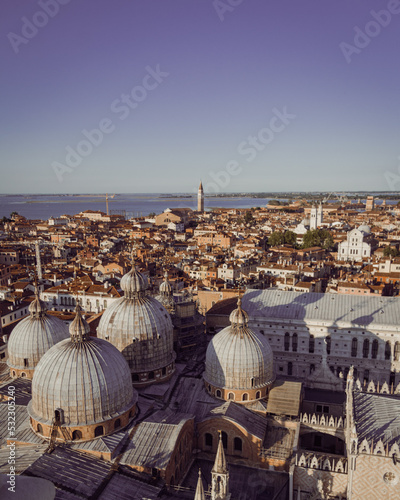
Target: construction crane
{"x": 342, "y": 198}
{"x": 111, "y": 197}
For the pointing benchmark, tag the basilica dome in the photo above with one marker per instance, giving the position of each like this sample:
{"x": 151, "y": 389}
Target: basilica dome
{"x": 165, "y": 294}
{"x": 32, "y": 337}
{"x": 84, "y": 383}
{"x": 365, "y": 229}
{"x": 141, "y": 328}
{"x": 239, "y": 361}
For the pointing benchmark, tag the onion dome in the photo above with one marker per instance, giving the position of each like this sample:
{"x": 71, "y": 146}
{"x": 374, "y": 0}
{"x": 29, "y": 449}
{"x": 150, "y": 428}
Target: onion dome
{"x": 82, "y": 381}
{"x": 165, "y": 287}
{"x": 165, "y": 295}
{"x": 141, "y": 328}
{"x": 32, "y": 337}
{"x": 239, "y": 361}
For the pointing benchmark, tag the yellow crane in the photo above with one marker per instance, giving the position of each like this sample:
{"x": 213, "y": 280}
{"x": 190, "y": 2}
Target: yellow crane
{"x": 111, "y": 197}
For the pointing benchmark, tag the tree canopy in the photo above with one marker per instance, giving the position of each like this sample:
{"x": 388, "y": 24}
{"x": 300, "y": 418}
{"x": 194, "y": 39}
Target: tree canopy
{"x": 318, "y": 238}
{"x": 248, "y": 217}
{"x": 391, "y": 251}
{"x": 278, "y": 238}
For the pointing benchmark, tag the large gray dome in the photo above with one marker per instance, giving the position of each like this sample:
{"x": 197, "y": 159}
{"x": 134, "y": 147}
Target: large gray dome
{"x": 87, "y": 378}
{"x": 238, "y": 358}
{"x": 33, "y": 336}
{"x": 139, "y": 326}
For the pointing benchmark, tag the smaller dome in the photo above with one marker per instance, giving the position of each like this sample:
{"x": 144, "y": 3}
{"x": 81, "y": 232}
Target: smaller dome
{"x": 33, "y": 336}
{"x": 165, "y": 287}
{"x": 141, "y": 328}
{"x": 239, "y": 359}
{"x": 365, "y": 229}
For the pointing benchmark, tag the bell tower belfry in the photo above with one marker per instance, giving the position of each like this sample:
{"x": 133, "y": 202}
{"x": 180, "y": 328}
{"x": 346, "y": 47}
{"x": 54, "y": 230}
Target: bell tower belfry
{"x": 220, "y": 475}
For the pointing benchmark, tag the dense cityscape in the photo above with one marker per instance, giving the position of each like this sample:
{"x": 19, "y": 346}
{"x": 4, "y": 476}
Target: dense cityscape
{"x": 199, "y": 250}
{"x": 259, "y": 346}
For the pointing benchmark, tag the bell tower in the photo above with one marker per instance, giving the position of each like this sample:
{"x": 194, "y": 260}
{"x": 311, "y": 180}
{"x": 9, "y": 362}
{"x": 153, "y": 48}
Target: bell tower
{"x": 200, "y": 198}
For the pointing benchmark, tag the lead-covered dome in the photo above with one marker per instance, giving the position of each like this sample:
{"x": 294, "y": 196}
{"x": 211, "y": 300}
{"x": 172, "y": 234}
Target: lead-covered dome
{"x": 239, "y": 361}
{"x": 165, "y": 295}
{"x": 32, "y": 337}
{"x": 141, "y": 328}
{"x": 85, "y": 382}
{"x": 365, "y": 229}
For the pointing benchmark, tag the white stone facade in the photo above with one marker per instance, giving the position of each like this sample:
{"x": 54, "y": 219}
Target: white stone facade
{"x": 354, "y": 248}
{"x": 360, "y": 331}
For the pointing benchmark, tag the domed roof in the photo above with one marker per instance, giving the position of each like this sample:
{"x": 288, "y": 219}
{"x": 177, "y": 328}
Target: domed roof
{"x": 34, "y": 335}
{"x": 364, "y": 228}
{"x": 86, "y": 377}
{"x": 165, "y": 296}
{"x": 239, "y": 358}
{"x": 139, "y": 326}
{"x": 165, "y": 287}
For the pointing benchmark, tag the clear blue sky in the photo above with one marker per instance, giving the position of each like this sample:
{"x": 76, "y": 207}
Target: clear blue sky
{"x": 229, "y": 73}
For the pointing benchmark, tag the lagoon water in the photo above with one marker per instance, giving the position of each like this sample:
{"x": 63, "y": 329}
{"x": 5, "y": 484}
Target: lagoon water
{"x": 45, "y": 206}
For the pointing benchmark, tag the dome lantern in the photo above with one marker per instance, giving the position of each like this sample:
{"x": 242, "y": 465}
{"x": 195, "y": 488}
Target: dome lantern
{"x": 37, "y": 307}
{"x": 79, "y": 329}
{"x": 134, "y": 284}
